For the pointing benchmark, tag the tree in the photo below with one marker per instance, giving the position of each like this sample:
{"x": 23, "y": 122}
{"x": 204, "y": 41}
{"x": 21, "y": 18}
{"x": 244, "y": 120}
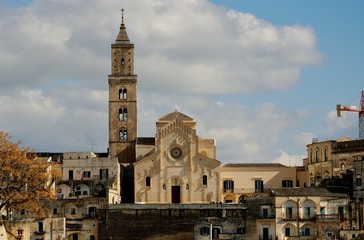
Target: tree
{"x": 26, "y": 180}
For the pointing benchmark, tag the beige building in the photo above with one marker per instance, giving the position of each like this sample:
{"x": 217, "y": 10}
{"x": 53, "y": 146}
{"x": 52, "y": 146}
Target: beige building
{"x": 180, "y": 167}
{"x": 330, "y": 159}
{"x": 85, "y": 174}
{"x": 308, "y": 213}
{"x": 240, "y": 180}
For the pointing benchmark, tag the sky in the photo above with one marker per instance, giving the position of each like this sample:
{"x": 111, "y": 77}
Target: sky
{"x": 261, "y": 77}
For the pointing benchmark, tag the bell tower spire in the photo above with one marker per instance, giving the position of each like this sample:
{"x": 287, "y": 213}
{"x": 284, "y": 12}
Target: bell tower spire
{"x": 122, "y": 98}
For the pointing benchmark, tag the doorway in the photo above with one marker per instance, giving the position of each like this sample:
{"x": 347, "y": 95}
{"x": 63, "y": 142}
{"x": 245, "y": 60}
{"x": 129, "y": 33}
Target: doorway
{"x": 266, "y": 234}
{"x": 176, "y": 194}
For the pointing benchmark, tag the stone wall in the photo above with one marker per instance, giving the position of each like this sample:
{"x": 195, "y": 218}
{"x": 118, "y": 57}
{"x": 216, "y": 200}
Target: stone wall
{"x": 153, "y": 221}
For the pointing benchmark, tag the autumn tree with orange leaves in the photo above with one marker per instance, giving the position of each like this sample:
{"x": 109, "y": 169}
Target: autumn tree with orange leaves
{"x": 26, "y": 181}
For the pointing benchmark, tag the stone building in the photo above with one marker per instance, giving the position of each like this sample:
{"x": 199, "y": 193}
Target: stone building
{"x": 309, "y": 213}
{"x": 329, "y": 159}
{"x": 180, "y": 167}
{"x": 242, "y": 180}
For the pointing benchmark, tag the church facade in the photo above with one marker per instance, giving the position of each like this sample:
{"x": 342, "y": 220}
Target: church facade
{"x": 180, "y": 167}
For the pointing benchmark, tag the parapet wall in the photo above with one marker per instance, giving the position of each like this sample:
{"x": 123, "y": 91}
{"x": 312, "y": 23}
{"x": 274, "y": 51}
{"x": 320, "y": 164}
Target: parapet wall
{"x": 154, "y": 221}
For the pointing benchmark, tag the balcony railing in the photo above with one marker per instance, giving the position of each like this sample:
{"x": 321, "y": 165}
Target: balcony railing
{"x": 300, "y": 238}
{"x": 328, "y": 217}
{"x": 295, "y": 217}
{"x": 267, "y": 216}
{"x": 265, "y": 237}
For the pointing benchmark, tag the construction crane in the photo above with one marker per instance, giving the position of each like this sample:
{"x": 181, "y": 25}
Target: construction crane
{"x": 349, "y": 108}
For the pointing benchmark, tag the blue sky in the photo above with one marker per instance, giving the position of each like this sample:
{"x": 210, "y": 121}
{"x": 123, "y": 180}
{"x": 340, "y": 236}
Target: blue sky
{"x": 261, "y": 77}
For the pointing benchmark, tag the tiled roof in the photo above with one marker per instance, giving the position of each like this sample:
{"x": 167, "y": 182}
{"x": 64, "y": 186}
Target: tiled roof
{"x": 323, "y": 192}
{"x": 175, "y": 114}
{"x": 255, "y": 165}
{"x": 146, "y": 140}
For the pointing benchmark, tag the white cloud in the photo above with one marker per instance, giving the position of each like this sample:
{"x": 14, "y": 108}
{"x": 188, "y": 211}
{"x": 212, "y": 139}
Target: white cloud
{"x": 304, "y": 138}
{"x": 345, "y": 126}
{"x": 55, "y": 58}
{"x": 289, "y": 160}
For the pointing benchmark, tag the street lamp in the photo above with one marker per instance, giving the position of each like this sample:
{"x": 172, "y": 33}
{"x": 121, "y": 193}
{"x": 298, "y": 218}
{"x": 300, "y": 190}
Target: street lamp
{"x": 20, "y": 233}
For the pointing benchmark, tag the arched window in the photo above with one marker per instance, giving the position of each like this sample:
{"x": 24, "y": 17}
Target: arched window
{"x": 311, "y": 156}
{"x": 164, "y": 186}
{"x": 326, "y": 157}
{"x": 123, "y": 114}
{"x": 122, "y": 94}
{"x": 204, "y": 180}
{"x": 92, "y": 237}
{"x": 147, "y": 181}
{"x": 123, "y": 135}
{"x": 187, "y": 186}
{"x": 317, "y": 155}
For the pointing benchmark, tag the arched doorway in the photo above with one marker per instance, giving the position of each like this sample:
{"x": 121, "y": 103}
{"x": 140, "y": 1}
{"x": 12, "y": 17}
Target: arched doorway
{"x": 176, "y": 190}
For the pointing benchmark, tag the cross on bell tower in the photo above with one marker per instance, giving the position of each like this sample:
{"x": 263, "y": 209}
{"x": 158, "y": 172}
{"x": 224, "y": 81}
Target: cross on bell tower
{"x": 122, "y": 98}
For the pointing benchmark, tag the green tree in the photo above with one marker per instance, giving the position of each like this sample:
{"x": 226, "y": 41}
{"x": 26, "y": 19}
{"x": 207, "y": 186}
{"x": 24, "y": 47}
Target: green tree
{"x": 26, "y": 180}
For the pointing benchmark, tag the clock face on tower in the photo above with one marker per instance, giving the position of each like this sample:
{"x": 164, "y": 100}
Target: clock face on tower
{"x": 176, "y": 152}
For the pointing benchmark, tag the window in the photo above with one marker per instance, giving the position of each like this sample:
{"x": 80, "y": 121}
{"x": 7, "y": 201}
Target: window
{"x": 240, "y": 230}
{"x": 204, "y": 180}
{"x": 215, "y": 233}
{"x": 287, "y": 183}
{"x": 70, "y": 175}
{"x": 187, "y": 186}
{"x": 258, "y": 186}
{"x": 342, "y": 166}
{"x": 305, "y": 232}
{"x": 341, "y": 212}
{"x": 307, "y": 212}
{"x": 122, "y": 61}
{"x": 204, "y": 231}
{"x": 322, "y": 210}
{"x": 55, "y": 210}
{"x": 92, "y": 237}
{"x": 84, "y": 193}
{"x": 77, "y": 193}
{"x": 104, "y": 174}
{"x": 73, "y": 211}
{"x": 289, "y": 213}
{"x": 123, "y": 135}
{"x": 123, "y": 114}
{"x": 310, "y": 156}
{"x": 228, "y": 186}
{"x": 147, "y": 181}
{"x": 22, "y": 211}
{"x": 325, "y": 153}
{"x": 87, "y": 174}
{"x": 358, "y": 181}
{"x": 287, "y": 232}
{"x": 92, "y": 212}
{"x": 164, "y": 186}
{"x": 265, "y": 212}
{"x": 40, "y": 227}
{"x": 317, "y": 154}
{"x": 122, "y": 94}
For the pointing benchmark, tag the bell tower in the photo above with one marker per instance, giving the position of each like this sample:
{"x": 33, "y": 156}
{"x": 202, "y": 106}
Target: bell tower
{"x": 122, "y": 98}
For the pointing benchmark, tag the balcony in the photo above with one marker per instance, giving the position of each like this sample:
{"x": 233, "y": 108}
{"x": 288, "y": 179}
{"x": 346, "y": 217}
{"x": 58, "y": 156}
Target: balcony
{"x": 265, "y": 237}
{"x": 266, "y": 216}
{"x": 40, "y": 232}
{"x": 300, "y": 238}
{"x": 90, "y": 215}
{"x": 328, "y": 217}
{"x": 295, "y": 217}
